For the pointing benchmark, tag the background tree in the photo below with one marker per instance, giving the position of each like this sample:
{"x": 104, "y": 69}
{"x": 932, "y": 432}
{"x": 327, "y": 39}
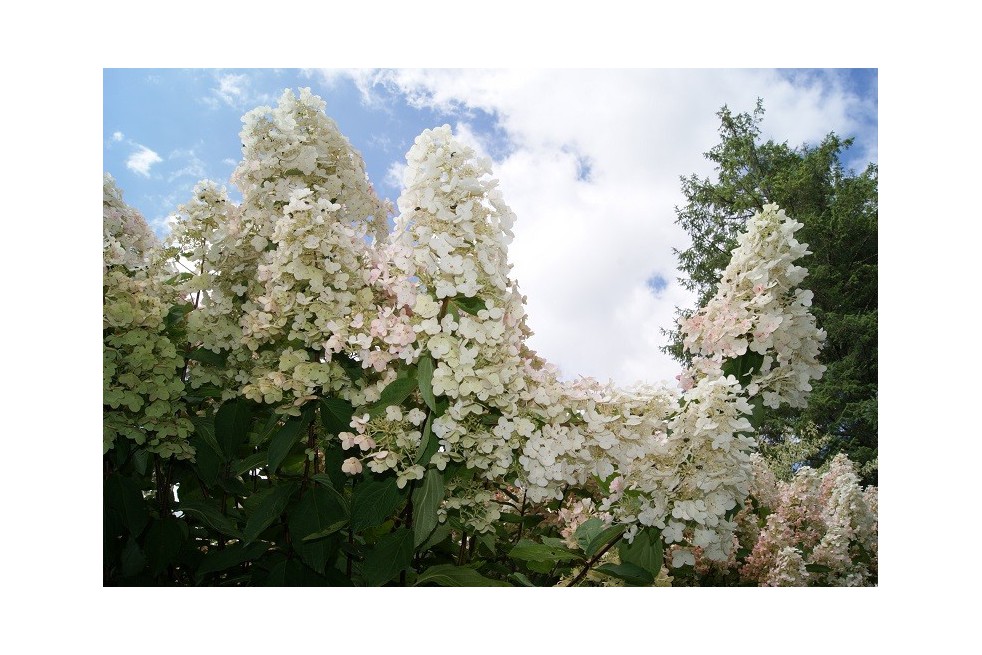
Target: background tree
{"x": 839, "y": 212}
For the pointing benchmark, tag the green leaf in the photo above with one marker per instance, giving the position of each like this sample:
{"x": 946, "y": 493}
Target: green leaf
{"x": 587, "y": 531}
{"x": 428, "y": 444}
{"x": 141, "y": 459}
{"x": 645, "y": 551}
{"x": 373, "y": 502}
{"x": 426, "y": 502}
{"x": 328, "y": 531}
{"x": 232, "y": 425}
{"x": 328, "y": 483}
{"x": 351, "y": 368}
{"x": 209, "y": 357}
{"x": 743, "y": 366}
{"x": 250, "y": 463}
{"x": 336, "y": 415}
{"x": 205, "y": 428}
{"x": 317, "y": 511}
{"x": 123, "y": 495}
{"x": 424, "y": 372}
{"x": 133, "y": 560}
{"x": 530, "y": 551}
{"x": 219, "y": 560}
{"x": 177, "y": 313}
{"x": 604, "y": 538}
{"x": 268, "y": 510}
{"x": 442, "y": 532}
{"x": 284, "y": 440}
{"x": 522, "y": 579}
{"x": 164, "y": 540}
{"x": 448, "y": 575}
{"x": 202, "y": 392}
{"x": 392, "y": 553}
{"x": 470, "y": 305}
{"x": 210, "y": 516}
{"x": 629, "y": 573}
{"x": 817, "y": 568}
{"x": 397, "y": 391}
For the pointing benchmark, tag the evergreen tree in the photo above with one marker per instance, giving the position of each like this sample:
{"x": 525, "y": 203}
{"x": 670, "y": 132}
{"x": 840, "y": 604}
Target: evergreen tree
{"x": 839, "y": 212}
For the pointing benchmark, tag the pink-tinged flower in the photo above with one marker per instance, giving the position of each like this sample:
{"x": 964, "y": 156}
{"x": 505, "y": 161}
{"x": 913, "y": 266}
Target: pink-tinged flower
{"x": 364, "y": 442}
{"x": 359, "y": 422}
{"x": 348, "y": 440}
{"x": 351, "y": 466}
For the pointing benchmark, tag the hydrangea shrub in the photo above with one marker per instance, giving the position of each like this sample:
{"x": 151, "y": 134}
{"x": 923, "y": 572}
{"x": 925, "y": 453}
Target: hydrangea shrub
{"x": 306, "y": 398}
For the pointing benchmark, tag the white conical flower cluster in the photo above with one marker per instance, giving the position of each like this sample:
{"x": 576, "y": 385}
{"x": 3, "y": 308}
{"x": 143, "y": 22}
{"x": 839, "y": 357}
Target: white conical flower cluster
{"x": 141, "y": 366}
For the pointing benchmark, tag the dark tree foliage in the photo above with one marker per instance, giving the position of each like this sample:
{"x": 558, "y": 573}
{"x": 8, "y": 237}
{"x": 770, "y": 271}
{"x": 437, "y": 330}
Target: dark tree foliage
{"x": 839, "y": 211}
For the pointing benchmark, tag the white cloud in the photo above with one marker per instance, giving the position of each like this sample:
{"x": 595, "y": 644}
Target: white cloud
{"x": 117, "y": 136}
{"x": 193, "y": 166}
{"x": 585, "y": 245}
{"x": 142, "y": 159}
{"x": 236, "y": 91}
{"x": 395, "y": 174}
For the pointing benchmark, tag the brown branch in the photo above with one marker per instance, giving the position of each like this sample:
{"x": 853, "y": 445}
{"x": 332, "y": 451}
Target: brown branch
{"x": 593, "y": 560}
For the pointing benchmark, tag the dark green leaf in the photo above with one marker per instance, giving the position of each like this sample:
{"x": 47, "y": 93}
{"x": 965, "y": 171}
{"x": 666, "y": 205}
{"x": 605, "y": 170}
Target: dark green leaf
{"x": 604, "y": 538}
{"x": 397, "y": 391}
{"x": 123, "y": 495}
{"x": 232, "y": 425}
{"x": 392, "y": 553}
{"x": 817, "y": 568}
{"x": 522, "y": 579}
{"x": 207, "y": 463}
{"x": 587, "y": 531}
{"x": 202, "y": 392}
{"x": 334, "y": 457}
{"x": 425, "y": 375}
{"x": 629, "y": 573}
{"x": 328, "y": 483}
{"x": 541, "y": 567}
{"x": 442, "y": 532}
{"x": 269, "y": 510}
{"x": 428, "y": 444}
{"x": 317, "y": 511}
{"x": 426, "y": 502}
{"x": 176, "y": 314}
{"x": 351, "y": 367}
{"x": 133, "y": 560}
{"x": 336, "y": 415}
{"x": 164, "y": 540}
{"x": 469, "y": 305}
{"x": 209, "y": 357}
{"x": 373, "y": 502}
{"x": 210, "y": 516}
{"x": 219, "y": 560}
{"x": 448, "y": 575}
{"x": 334, "y": 528}
{"x": 743, "y": 366}
{"x": 645, "y": 551}
{"x": 205, "y": 428}
{"x": 141, "y": 459}
{"x": 250, "y": 463}
{"x": 530, "y": 551}
{"x": 284, "y": 440}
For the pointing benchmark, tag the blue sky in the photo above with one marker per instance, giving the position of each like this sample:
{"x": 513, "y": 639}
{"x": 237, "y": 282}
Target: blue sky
{"x": 589, "y": 160}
